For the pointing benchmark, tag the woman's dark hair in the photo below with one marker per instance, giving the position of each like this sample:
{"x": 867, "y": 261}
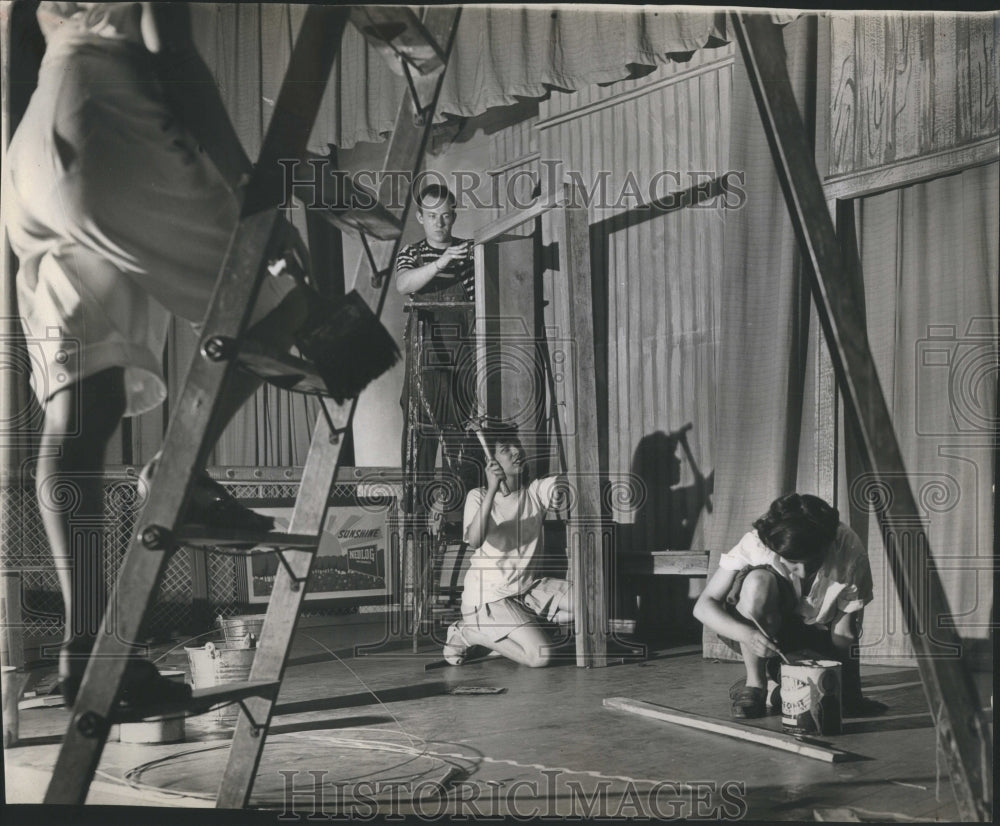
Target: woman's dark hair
{"x": 798, "y": 526}
{"x": 499, "y": 434}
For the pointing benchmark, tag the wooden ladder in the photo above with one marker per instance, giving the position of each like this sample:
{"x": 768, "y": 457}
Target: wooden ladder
{"x": 414, "y": 45}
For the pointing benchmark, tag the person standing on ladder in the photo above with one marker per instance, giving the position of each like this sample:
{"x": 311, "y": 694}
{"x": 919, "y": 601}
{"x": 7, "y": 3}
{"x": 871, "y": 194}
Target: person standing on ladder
{"x": 439, "y": 394}
{"x": 122, "y": 190}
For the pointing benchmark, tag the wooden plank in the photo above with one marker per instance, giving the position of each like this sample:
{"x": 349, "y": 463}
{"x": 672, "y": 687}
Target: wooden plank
{"x": 844, "y": 94}
{"x": 943, "y": 81}
{"x": 964, "y": 105}
{"x": 910, "y": 72}
{"x": 515, "y": 218}
{"x": 482, "y": 323}
{"x": 911, "y": 171}
{"x": 951, "y": 693}
{"x": 11, "y": 620}
{"x": 585, "y": 531}
{"x": 763, "y": 737}
{"x": 659, "y": 563}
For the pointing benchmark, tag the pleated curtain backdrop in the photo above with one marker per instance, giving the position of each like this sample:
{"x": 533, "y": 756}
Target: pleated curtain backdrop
{"x": 929, "y": 258}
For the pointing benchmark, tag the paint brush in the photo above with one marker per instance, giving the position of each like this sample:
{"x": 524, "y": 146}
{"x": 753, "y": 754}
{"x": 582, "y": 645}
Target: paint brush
{"x": 771, "y": 640}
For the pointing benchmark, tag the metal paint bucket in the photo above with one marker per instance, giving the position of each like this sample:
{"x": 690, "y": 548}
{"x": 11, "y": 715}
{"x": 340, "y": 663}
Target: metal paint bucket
{"x": 219, "y": 663}
{"x": 810, "y": 697}
{"x": 243, "y": 630}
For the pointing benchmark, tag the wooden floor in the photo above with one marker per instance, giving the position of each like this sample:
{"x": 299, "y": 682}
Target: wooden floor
{"x": 380, "y": 733}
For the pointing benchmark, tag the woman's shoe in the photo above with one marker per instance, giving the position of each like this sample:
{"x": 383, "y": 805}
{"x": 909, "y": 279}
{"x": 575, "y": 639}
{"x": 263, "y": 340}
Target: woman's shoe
{"x": 211, "y": 504}
{"x": 749, "y": 703}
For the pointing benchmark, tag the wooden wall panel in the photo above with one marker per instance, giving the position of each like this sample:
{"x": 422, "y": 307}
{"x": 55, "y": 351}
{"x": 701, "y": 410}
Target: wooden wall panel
{"x": 656, "y": 272}
{"x": 907, "y": 85}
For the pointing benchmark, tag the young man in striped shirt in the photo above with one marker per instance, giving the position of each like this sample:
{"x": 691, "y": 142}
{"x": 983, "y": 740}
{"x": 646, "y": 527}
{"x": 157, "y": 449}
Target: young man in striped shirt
{"x": 439, "y": 393}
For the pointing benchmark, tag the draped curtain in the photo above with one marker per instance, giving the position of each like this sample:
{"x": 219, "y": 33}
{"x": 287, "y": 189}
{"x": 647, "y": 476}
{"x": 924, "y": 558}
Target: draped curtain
{"x": 929, "y": 259}
{"x": 501, "y": 54}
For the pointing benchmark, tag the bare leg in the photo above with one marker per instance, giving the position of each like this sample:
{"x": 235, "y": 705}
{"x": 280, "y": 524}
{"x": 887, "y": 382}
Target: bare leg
{"x": 79, "y": 422}
{"x": 759, "y": 601}
{"x": 527, "y": 644}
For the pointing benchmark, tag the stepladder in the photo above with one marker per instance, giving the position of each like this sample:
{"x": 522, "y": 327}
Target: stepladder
{"x": 420, "y": 49}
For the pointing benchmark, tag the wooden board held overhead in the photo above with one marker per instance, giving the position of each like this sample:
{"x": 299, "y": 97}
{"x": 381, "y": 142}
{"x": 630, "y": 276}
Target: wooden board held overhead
{"x": 763, "y": 737}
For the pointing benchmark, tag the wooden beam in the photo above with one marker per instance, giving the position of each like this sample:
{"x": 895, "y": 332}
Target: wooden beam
{"x": 763, "y": 737}
{"x": 659, "y": 563}
{"x": 912, "y": 170}
{"x": 586, "y": 534}
{"x": 952, "y": 695}
{"x": 514, "y": 219}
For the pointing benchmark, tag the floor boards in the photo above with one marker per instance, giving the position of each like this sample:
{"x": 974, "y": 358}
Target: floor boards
{"x": 543, "y": 747}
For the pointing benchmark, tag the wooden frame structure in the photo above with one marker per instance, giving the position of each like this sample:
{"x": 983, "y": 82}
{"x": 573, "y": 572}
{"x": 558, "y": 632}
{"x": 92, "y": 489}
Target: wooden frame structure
{"x": 587, "y": 539}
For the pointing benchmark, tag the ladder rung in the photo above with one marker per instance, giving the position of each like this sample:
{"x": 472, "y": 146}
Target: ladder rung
{"x": 204, "y": 536}
{"x": 396, "y": 32}
{"x": 201, "y": 700}
{"x": 376, "y": 221}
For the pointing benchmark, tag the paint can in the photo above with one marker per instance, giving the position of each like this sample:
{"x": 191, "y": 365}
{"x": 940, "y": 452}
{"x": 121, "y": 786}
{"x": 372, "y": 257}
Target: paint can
{"x": 810, "y": 697}
{"x": 221, "y": 663}
{"x": 154, "y": 729}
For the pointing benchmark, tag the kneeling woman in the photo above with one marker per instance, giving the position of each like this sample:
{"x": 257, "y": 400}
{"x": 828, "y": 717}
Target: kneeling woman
{"x": 506, "y": 606}
{"x": 798, "y": 582}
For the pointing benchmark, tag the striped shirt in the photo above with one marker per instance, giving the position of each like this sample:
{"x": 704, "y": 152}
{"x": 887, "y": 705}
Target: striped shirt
{"x": 458, "y": 274}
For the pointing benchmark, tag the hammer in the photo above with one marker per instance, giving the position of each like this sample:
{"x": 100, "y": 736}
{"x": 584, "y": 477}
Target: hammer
{"x": 476, "y": 426}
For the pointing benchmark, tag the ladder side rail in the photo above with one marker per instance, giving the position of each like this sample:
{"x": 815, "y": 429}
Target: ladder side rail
{"x": 288, "y": 593}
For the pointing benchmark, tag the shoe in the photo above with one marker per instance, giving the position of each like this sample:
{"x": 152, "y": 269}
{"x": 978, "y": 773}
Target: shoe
{"x": 748, "y": 703}
{"x": 456, "y": 649}
{"x": 737, "y": 687}
{"x": 211, "y": 504}
{"x": 142, "y": 685}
